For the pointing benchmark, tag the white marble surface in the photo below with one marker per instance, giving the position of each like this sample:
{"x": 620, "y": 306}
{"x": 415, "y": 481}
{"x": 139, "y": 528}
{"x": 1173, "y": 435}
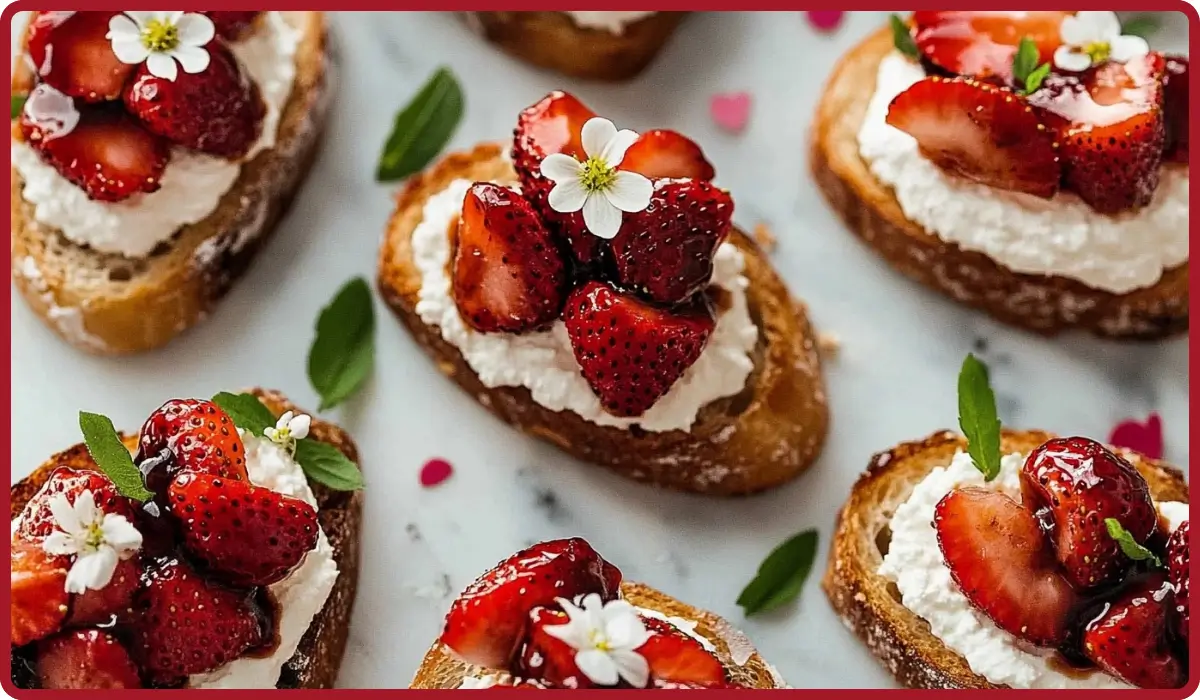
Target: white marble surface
{"x": 893, "y": 379}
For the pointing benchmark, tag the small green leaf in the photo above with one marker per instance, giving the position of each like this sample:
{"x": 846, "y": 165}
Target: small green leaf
{"x": 423, "y": 128}
{"x": 1129, "y": 545}
{"x": 111, "y": 455}
{"x": 977, "y": 417}
{"x": 1143, "y": 25}
{"x": 246, "y": 411}
{"x": 1034, "y": 80}
{"x": 902, "y": 38}
{"x": 18, "y": 104}
{"x": 782, "y": 574}
{"x": 1026, "y": 71}
{"x": 343, "y": 351}
{"x": 325, "y": 464}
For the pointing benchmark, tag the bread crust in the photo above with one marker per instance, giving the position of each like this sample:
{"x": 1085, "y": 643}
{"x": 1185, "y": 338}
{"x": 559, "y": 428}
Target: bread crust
{"x": 441, "y": 669}
{"x": 319, "y": 656}
{"x": 1043, "y": 304}
{"x": 554, "y": 41}
{"x": 760, "y": 438}
{"x": 866, "y": 602}
{"x": 145, "y": 303}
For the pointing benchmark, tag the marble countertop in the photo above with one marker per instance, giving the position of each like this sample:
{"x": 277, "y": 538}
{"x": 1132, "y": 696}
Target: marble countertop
{"x": 893, "y": 378}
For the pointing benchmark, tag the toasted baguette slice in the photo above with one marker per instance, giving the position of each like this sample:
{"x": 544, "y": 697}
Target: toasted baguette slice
{"x": 553, "y": 40}
{"x": 869, "y": 604}
{"x": 441, "y": 669}
{"x": 108, "y": 304}
{"x": 1044, "y": 304}
{"x": 757, "y": 439}
{"x": 319, "y": 656}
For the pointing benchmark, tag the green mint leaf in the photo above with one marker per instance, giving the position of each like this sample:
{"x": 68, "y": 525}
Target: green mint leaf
{"x": 343, "y": 351}
{"x": 326, "y": 465}
{"x": 1129, "y": 545}
{"x": 977, "y": 417}
{"x": 111, "y": 455}
{"x": 1143, "y": 25}
{"x": 1025, "y": 59}
{"x": 246, "y": 411}
{"x": 423, "y": 128}
{"x": 1034, "y": 80}
{"x": 781, "y": 576}
{"x": 18, "y": 104}
{"x": 902, "y": 38}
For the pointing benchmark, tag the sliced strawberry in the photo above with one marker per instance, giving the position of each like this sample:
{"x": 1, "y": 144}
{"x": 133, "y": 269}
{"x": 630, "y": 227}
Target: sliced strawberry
{"x": 1178, "y": 567}
{"x": 1175, "y": 108}
{"x": 1075, "y": 484}
{"x": 217, "y": 111}
{"x": 486, "y": 623}
{"x": 38, "y": 592}
{"x": 85, "y": 659}
{"x": 982, "y": 44}
{"x": 1129, "y": 637}
{"x": 189, "y": 435}
{"x": 629, "y": 352}
{"x": 71, "y": 52}
{"x": 232, "y": 24}
{"x": 37, "y": 521}
{"x": 667, "y": 154}
{"x": 508, "y": 274}
{"x": 107, "y": 154}
{"x": 676, "y": 657}
{"x": 981, "y": 132}
{"x": 547, "y": 658}
{"x": 245, "y": 534}
{"x": 665, "y": 253}
{"x": 186, "y": 624}
{"x": 1003, "y": 564}
{"x": 103, "y": 606}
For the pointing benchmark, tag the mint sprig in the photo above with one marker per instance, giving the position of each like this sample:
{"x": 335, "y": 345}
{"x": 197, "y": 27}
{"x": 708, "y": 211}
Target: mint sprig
{"x": 781, "y": 576}
{"x": 18, "y": 104}
{"x": 1130, "y": 546}
{"x": 423, "y": 128}
{"x": 343, "y": 351}
{"x": 1027, "y": 73}
{"x": 977, "y": 417}
{"x": 111, "y": 455}
{"x": 902, "y": 38}
{"x": 246, "y": 411}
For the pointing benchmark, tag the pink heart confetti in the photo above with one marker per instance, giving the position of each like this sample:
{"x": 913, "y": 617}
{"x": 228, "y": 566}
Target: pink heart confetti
{"x": 731, "y": 110}
{"x": 435, "y": 472}
{"x": 1146, "y": 438}
{"x": 825, "y": 20}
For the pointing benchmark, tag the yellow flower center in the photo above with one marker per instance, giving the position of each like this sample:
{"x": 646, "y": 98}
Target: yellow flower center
{"x": 599, "y": 640}
{"x": 95, "y": 535}
{"x": 597, "y": 176}
{"x": 1098, "y": 51}
{"x": 160, "y": 36}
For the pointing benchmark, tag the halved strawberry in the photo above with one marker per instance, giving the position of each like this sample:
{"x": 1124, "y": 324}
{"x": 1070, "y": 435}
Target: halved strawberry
{"x": 629, "y": 352}
{"x": 981, "y": 132}
{"x": 547, "y": 658}
{"x": 38, "y": 592}
{"x": 1129, "y": 637}
{"x": 982, "y": 44}
{"x": 1075, "y": 484}
{"x": 244, "y": 534}
{"x": 37, "y": 520}
{"x": 676, "y": 657}
{"x": 231, "y": 24}
{"x": 665, "y": 252}
{"x": 103, "y": 606}
{"x": 1003, "y": 564}
{"x": 107, "y": 154}
{"x": 85, "y": 659}
{"x": 485, "y": 624}
{"x": 660, "y": 153}
{"x": 1175, "y": 108}
{"x": 217, "y": 111}
{"x": 71, "y": 52}
{"x": 189, "y": 435}
{"x": 508, "y": 275}
{"x": 1178, "y": 567}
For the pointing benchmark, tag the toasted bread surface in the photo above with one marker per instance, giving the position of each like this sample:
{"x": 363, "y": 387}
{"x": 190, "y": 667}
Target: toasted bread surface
{"x": 108, "y": 304}
{"x": 441, "y": 669}
{"x": 869, "y": 604}
{"x": 1044, "y": 304}
{"x": 761, "y": 437}
{"x": 553, "y": 40}
{"x": 319, "y": 656}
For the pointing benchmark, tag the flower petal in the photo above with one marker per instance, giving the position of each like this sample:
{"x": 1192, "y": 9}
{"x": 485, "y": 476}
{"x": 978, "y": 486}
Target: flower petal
{"x": 93, "y": 570}
{"x": 596, "y": 135}
{"x": 598, "y": 666}
{"x": 120, "y": 534}
{"x": 193, "y": 59}
{"x": 601, "y": 217}
{"x": 615, "y": 153}
{"x": 568, "y": 196}
{"x": 121, "y": 26}
{"x": 1070, "y": 60}
{"x": 171, "y": 17}
{"x": 631, "y": 666}
{"x": 626, "y": 631}
{"x": 162, "y": 65}
{"x": 59, "y": 543}
{"x": 195, "y": 29}
{"x": 85, "y": 509}
{"x": 300, "y": 426}
{"x": 129, "y": 50}
{"x": 1075, "y": 30}
{"x": 140, "y": 17}
{"x": 283, "y": 420}
{"x": 558, "y": 167}
{"x": 64, "y": 514}
{"x": 1124, "y": 48}
{"x": 630, "y": 191}
{"x": 1104, "y": 23}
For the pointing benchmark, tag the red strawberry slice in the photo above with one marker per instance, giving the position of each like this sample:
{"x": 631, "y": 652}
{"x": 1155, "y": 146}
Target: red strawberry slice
{"x": 982, "y": 44}
{"x": 665, "y": 253}
{"x": 71, "y": 52}
{"x": 37, "y": 521}
{"x": 1003, "y": 564}
{"x": 1178, "y": 561}
{"x": 1075, "y": 484}
{"x": 547, "y": 658}
{"x": 189, "y": 435}
{"x": 232, "y": 24}
{"x": 508, "y": 274}
{"x": 38, "y": 592}
{"x": 676, "y": 657}
{"x": 85, "y": 659}
{"x": 186, "y": 624}
{"x": 485, "y": 625}
{"x": 217, "y": 111}
{"x": 103, "y": 606}
{"x": 981, "y": 132}
{"x": 667, "y": 154}
{"x": 1175, "y": 108}
{"x": 1128, "y": 639}
{"x": 107, "y": 154}
{"x": 629, "y": 352}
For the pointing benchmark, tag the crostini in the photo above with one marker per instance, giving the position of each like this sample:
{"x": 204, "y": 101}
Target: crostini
{"x": 666, "y": 347}
{"x": 154, "y": 153}
{"x": 213, "y": 561}
{"x": 989, "y": 156}
{"x": 558, "y": 616}
{"x": 604, "y": 45}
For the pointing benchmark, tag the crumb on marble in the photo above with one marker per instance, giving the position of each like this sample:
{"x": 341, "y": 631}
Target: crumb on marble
{"x": 828, "y": 344}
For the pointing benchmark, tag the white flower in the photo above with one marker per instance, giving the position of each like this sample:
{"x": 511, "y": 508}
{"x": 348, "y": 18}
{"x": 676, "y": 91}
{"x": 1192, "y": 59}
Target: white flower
{"x": 288, "y": 429}
{"x": 1095, "y": 37}
{"x": 96, "y": 539}
{"x": 596, "y": 185}
{"x": 160, "y": 39}
{"x": 606, "y": 637}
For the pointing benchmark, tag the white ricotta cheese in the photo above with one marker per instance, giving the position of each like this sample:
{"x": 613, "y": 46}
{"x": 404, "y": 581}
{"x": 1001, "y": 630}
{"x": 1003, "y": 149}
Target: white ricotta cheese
{"x": 612, "y": 22}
